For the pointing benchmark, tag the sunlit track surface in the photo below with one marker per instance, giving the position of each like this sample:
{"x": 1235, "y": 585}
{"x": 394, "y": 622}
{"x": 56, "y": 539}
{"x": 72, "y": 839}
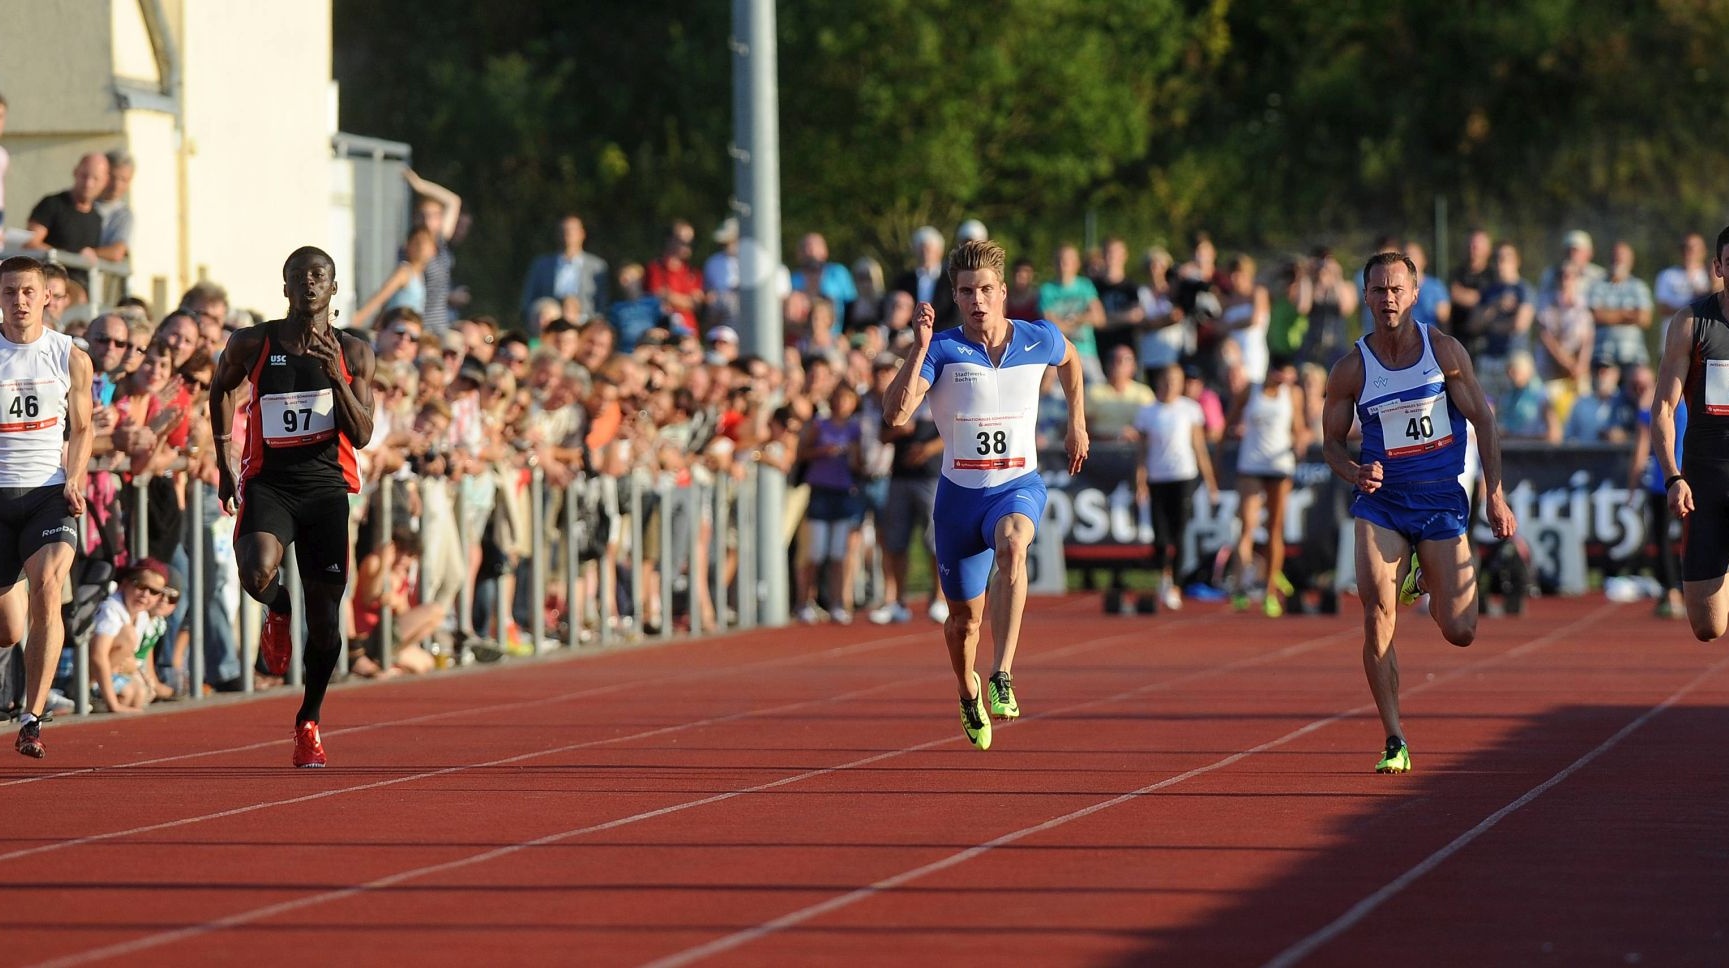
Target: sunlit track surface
{"x": 1191, "y": 788}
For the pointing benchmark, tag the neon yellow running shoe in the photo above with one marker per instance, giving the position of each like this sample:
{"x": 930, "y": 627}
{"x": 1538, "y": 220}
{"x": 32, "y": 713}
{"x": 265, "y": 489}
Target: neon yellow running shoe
{"x": 974, "y": 722}
{"x": 1396, "y": 758}
{"x": 1412, "y": 588}
{"x": 1002, "y": 689}
{"x": 1272, "y": 606}
{"x": 1283, "y": 584}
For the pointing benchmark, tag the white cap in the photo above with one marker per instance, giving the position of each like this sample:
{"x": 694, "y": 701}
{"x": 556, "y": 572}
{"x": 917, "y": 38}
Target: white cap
{"x": 723, "y": 334}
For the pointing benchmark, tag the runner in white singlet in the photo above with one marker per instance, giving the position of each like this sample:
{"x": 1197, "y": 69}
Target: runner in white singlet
{"x": 45, "y": 440}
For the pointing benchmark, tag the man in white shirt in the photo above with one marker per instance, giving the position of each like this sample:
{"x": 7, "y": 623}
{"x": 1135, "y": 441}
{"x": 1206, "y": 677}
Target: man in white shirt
{"x": 45, "y": 441}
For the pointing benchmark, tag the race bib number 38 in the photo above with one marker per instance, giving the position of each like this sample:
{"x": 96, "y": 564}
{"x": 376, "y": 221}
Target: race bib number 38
{"x": 25, "y": 405}
{"x": 1717, "y": 387}
{"x": 987, "y": 443}
{"x": 295, "y": 419}
{"x": 1412, "y": 427}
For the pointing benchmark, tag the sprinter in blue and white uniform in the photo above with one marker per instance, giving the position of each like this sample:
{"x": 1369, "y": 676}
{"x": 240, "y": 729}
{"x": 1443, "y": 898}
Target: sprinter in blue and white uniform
{"x": 1413, "y": 390}
{"x": 984, "y": 379}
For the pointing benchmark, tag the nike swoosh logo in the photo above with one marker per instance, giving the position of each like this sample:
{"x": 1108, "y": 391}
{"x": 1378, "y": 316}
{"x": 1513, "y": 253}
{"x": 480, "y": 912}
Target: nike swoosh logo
{"x": 1431, "y": 372}
{"x": 1032, "y": 346}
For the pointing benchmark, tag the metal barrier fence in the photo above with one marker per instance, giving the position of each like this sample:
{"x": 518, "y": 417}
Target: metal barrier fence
{"x": 706, "y": 537}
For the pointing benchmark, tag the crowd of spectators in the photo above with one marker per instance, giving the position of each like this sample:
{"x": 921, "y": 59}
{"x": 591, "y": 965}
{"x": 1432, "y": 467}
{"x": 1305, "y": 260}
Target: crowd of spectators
{"x": 632, "y": 377}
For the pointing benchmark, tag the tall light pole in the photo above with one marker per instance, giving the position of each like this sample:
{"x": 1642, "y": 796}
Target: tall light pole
{"x": 756, "y": 182}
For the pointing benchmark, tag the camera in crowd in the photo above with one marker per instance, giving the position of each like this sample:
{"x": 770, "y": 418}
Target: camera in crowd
{"x": 1195, "y": 297}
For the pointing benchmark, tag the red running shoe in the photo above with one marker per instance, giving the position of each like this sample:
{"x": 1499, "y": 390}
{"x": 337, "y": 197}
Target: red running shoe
{"x": 276, "y": 642}
{"x": 308, "y": 748}
{"x": 29, "y": 740}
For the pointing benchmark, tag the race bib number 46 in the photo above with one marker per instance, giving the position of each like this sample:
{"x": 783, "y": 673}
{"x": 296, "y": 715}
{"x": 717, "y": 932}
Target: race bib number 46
{"x": 1717, "y": 387}
{"x": 25, "y": 405}
{"x": 295, "y": 419}
{"x": 1412, "y": 427}
{"x": 987, "y": 443}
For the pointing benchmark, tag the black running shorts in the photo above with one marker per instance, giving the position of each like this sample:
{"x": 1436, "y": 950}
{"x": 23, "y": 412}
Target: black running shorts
{"x": 1707, "y": 532}
{"x": 313, "y": 519}
{"x": 31, "y": 518}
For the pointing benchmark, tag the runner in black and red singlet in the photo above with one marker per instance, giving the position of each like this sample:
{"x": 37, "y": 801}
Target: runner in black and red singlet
{"x": 310, "y": 410}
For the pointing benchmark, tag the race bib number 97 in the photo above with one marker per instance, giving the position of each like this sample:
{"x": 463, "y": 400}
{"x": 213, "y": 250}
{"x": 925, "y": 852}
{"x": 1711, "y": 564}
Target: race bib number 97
{"x": 296, "y": 419}
{"x": 25, "y": 406}
{"x": 1412, "y": 427}
{"x": 1717, "y": 387}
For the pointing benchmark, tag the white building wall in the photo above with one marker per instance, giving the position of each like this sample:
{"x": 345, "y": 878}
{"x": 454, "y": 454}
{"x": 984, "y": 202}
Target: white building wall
{"x": 257, "y": 75}
{"x": 248, "y": 183}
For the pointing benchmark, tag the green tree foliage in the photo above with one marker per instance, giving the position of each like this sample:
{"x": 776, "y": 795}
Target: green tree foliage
{"x": 1274, "y": 124}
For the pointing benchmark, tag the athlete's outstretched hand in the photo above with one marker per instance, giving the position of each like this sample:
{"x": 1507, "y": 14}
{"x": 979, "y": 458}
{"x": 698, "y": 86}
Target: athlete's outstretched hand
{"x": 326, "y": 346}
{"x": 1681, "y": 499}
{"x": 1076, "y": 443}
{"x": 924, "y": 325}
{"x": 1501, "y": 520}
{"x": 1369, "y": 477}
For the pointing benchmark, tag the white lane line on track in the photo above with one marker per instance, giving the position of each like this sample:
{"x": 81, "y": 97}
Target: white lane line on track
{"x": 1362, "y": 909}
{"x": 870, "y": 645}
{"x": 795, "y": 659}
{"x": 256, "y": 914}
{"x": 794, "y": 918}
{"x": 586, "y": 744}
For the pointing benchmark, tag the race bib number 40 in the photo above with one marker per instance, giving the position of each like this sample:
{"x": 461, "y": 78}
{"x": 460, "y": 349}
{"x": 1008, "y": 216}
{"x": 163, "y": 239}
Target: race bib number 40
{"x": 296, "y": 419}
{"x": 988, "y": 443}
{"x": 25, "y": 405}
{"x": 1717, "y": 387}
{"x": 1412, "y": 427}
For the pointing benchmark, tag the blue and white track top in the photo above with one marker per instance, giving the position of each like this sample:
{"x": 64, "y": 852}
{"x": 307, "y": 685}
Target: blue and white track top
{"x": 988, "y": 414}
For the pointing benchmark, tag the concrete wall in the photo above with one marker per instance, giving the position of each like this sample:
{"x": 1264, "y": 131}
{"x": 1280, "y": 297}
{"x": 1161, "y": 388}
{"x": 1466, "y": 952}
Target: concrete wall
{"x": 258, "y": 138}
{"x": 245, "y": 184}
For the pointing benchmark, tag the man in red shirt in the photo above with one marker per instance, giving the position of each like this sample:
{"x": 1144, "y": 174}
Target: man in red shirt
{"x": 679, "y": 287}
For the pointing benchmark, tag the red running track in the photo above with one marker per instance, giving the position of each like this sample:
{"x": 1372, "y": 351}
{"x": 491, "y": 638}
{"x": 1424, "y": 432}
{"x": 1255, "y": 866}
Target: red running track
{"x": 1190, "y": 789}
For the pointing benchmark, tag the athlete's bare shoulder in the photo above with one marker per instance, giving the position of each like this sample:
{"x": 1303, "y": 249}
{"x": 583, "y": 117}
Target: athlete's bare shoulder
{"x": 357, "y": 353}
{"x": 245, "y": 344}
{"x": 1449, "y": 352}
{"x": 1346, "y": 377}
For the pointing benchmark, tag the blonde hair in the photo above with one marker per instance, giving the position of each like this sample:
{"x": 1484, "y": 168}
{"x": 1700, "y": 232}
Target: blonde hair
{"x": 976, "y": 255}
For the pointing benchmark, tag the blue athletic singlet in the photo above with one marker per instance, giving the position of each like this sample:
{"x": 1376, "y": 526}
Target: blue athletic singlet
{"x": 987, "y": 415}
{"x": 1412, "y": 427}
{"x": 1409, "y": 423}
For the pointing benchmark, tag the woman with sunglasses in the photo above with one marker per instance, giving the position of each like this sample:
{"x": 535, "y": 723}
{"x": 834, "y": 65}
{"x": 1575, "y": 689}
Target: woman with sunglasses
{"x": 123, "y": 622}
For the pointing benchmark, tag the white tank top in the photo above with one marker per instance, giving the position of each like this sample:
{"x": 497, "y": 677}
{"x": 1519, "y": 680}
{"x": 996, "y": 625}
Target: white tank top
{"x": 1268, "y": 450}
{"x": 35, "y": 384}
{"x": 1251, "y": 340}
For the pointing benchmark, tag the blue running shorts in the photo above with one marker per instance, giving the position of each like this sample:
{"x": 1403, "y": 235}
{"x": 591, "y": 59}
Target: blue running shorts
{"x": 965, "y": 529}
{"x": 1422, "y": 511}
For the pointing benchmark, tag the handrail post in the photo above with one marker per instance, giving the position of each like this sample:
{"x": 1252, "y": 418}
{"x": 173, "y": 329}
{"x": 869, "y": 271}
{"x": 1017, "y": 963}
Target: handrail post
{"x": 196, "y": 605}
{"x": 537, "y": 556}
